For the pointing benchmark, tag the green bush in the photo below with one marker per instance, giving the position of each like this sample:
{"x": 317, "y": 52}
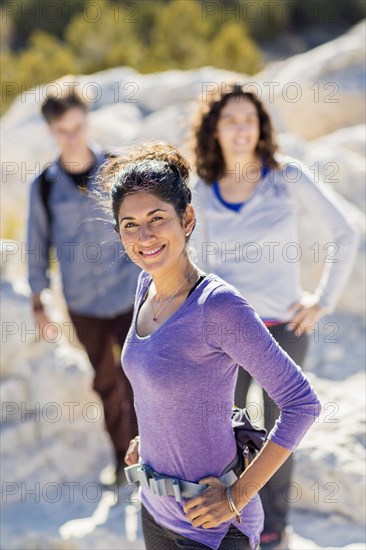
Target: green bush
{"x": 154, "y": 35}
{"x": 108, "y": 42}
{"x": 45, "y": 60}
{"x": 148, "y": 36}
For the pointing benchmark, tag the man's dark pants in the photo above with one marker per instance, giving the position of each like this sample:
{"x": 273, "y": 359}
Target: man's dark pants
{"x": 103, "y": 340}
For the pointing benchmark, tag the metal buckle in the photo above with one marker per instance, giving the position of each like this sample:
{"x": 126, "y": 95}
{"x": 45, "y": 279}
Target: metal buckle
{"x": 147, "y": 474}
{"x": 157, "y": 485}
{"x": 127, "y": 474}
{"x": 177, "y": 490}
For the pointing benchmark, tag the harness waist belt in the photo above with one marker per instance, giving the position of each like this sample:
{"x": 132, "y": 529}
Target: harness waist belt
{"x": 163, "y": 485}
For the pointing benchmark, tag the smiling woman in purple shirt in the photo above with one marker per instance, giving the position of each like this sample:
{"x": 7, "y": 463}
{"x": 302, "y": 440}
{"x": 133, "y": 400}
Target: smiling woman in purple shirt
{"x": 191, "y": 332}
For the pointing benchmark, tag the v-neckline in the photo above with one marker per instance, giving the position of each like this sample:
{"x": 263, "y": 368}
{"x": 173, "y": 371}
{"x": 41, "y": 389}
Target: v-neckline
{"x": 247, "y": 204}
{"x": 174, "y": 315}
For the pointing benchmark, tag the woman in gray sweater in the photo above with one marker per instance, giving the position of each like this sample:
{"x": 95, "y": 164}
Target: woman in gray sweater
{"x": 246, "y": 201}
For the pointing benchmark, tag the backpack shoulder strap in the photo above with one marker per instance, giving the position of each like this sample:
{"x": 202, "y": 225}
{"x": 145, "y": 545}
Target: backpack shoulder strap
{"x": 45, "y": 190}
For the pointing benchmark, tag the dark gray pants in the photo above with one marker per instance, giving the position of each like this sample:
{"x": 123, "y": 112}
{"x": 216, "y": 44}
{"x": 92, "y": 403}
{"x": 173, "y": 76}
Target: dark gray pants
{"x": 274, "y": 494}
{"x": 157, "y": 537}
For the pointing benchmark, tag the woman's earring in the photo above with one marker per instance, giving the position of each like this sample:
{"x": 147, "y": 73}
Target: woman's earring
{"x": 187, "y": 234}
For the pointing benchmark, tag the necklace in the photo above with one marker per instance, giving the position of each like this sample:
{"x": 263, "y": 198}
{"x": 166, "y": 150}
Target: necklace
{"x": 167, "y": 302}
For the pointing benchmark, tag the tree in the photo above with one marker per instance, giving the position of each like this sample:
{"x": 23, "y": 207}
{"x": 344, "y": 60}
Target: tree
{"x": 109, "y": 41}
{"x": 232, "y": 49}
{"x": 47, "y": 59}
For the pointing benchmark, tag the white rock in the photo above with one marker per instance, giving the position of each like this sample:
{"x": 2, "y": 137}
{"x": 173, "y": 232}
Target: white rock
{"x": 329, "y": 460}
{"x": 319, "y": 91}
{"x": 50, "y": 412}
{"x": 118, "y": 124}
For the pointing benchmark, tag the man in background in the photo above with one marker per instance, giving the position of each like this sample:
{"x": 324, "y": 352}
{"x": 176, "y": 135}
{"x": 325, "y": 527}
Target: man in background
{"x": 98, "y": 279}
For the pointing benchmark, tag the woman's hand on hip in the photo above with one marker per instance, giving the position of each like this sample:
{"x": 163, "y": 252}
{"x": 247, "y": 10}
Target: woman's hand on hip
{"x": 211, "y": 508}
{"x": 132, "y": 455}
{"x": 306, "y": 316}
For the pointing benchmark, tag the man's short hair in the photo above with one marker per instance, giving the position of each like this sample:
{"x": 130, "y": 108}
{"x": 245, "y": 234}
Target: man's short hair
{"x": 55, "y": 106}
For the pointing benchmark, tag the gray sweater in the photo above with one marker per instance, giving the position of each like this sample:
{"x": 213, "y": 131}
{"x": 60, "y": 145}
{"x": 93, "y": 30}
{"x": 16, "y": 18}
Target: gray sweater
{"x": 257, "y": 248}
{"x": 98, "y": 278}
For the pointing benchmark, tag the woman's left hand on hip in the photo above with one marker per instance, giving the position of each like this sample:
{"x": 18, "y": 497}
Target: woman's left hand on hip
{"x": 211, "y": 508}
{"x": 305, "y": 318}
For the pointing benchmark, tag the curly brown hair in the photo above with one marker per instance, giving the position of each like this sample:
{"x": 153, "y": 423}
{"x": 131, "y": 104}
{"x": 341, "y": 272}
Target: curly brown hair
{"x": 157, "y": 168}
{"x": 209, "y": 161}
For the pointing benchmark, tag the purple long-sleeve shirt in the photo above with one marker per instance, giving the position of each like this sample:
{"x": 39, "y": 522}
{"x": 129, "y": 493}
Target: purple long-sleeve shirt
{"x": 184, "y": 376}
